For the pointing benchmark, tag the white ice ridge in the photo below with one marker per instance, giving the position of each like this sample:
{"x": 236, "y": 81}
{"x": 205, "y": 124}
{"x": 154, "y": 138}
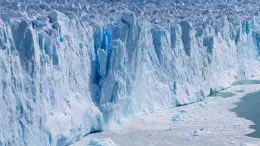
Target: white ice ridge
{"x": 63, "y": 77}
{"x": 157, "y": 12}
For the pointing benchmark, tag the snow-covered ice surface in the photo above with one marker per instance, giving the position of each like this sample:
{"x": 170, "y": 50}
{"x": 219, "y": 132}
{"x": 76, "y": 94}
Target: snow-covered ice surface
{"x": 205, "y": 123}
{"x": 158, "y": 12}
{"x": 72, "y": 67}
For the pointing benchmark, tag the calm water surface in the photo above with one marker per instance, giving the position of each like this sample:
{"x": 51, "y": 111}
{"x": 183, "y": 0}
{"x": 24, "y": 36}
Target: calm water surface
{"x": 249, "y": 108}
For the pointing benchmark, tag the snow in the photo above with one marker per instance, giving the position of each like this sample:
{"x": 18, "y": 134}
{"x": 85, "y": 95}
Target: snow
{"x": 70, "y": 68}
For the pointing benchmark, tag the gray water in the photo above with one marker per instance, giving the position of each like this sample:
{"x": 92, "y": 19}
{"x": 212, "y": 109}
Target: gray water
{"x": 246, "y": 82}
{"x": 222, "y": 94}
{"x": 249, "y": 108}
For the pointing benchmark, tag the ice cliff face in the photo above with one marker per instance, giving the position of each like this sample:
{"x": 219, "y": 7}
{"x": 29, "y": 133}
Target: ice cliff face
{"x": 62, "y": 78}
{"x": 45, "y": 96}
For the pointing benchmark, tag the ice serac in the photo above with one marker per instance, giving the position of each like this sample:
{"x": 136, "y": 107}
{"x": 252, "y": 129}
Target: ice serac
{"x": 63, "y": 77}
{"x": 172, "y": 65}
{"x": 45, "y": 83}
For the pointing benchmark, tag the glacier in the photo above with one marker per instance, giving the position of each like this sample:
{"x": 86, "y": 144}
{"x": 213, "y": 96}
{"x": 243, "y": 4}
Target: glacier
{"x": 64, "y": 76}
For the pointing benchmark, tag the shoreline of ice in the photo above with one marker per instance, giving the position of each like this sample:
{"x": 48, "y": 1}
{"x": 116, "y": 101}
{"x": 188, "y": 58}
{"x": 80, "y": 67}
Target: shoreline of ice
{"x": 185, "y": 126}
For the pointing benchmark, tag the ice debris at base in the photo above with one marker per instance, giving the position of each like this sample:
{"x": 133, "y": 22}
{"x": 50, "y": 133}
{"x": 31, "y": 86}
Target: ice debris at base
{"x": 176, "y": 118}
{"x": 63, "y": 76}
{"x": 200, "y": 132}
{"x": 101, "y": 142}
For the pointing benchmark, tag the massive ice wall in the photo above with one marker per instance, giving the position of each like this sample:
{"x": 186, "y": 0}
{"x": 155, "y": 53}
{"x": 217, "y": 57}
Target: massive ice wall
{"x": 45, "y": 80}
{"x": 62, "y": 78}
{"x": 153, "y": 67}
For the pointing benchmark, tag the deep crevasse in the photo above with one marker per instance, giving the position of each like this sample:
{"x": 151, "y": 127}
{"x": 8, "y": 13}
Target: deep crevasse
{"x": 61, "y": 83}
